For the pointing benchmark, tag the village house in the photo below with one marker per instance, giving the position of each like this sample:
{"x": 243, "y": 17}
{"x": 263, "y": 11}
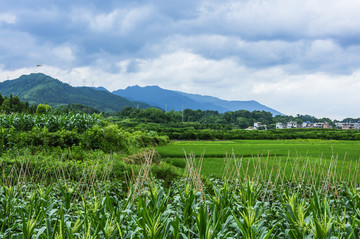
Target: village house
{"x": 348, "y": 125}
{"x": 258, "y": 125}
{"x": 291, "y": 124}
{"x": 279, "y": 125}
{"x": 317, "y": 125}
{"x": 307, "y": 124}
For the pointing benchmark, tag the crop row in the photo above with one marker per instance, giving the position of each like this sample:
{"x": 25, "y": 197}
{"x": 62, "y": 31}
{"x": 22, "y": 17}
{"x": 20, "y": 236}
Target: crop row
{"x": 79, "y": 201}
{"x": 25, "y": 122}
{"x": 245, "y": 211}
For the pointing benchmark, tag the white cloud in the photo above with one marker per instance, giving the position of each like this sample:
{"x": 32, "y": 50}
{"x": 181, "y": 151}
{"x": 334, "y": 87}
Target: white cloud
{"x": 7, "y": 18}
{"x": 333, "y": 17}
{"x": 317, "y": 94}
{"x": 63, "y": 53}
{"x": 120, "y": 21}
{"x": 310, "y": 18}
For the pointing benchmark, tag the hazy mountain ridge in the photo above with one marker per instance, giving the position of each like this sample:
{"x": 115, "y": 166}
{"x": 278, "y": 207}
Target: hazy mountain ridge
{"x": 176, "y": 100}
{"x": 40, "y": 88}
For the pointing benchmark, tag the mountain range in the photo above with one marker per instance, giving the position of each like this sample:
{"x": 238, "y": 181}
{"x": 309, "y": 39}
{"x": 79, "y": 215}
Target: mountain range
{"x": 39, "y": 88}
{"x": 176, "y": 100}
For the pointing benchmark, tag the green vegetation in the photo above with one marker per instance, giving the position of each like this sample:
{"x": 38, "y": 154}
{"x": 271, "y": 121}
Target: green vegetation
{"x": 193, "y": 207}
{"x": 76, "y": 175}
{"x": 210, "y": 125}
{"x": 68, "y": 130}
{"x": 249, "y": 148}
{"x": 43, "y": 109}
{"x": 240, "y": 119}
{"x": 75, "y": 108}
{"x": 13, "y": 104}
{"x": 198, "y": 131}
{"x": 40, "y": 88}
{"x": 264, "y": 159}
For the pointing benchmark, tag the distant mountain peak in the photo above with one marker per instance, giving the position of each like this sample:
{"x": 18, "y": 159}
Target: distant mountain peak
{"x": 39, "y": 88}
{"x": 177, "y": 100}
{"x": 143, "y": 87}
{"x": 100, "y": 88}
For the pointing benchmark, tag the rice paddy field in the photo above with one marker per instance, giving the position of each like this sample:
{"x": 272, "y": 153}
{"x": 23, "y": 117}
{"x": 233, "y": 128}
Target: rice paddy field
{"x": 294, "y": 159}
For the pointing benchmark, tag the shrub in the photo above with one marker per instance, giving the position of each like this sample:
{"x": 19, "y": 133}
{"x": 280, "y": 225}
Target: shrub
{"x": 43, "y": 109}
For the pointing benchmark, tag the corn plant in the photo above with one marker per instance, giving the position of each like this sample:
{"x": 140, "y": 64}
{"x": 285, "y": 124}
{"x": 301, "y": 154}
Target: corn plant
{"x": 297, "y": 217}
{"x": 25, "y": 122}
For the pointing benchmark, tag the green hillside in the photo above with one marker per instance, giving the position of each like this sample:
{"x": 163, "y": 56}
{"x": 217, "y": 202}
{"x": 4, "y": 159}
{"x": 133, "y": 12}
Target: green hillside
{"x": 40, "y": 88}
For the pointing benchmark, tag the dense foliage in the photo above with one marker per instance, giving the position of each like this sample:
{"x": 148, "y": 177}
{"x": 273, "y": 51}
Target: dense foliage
{"x": 67, "y": 130}
{"x": 240, "y": 119}
{"x": 198, "y": 131}
{"x": 13, "y": 104}
{"x": 211, "y": 125}
{"x": 43, "y": 109}
{"x": 223, "y": 210}
{"x": 75, "y": 108}
{"x": 26, "y": 122}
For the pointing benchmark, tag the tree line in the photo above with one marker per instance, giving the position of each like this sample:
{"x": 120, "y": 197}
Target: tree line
{"x": 13, "y": 104}
{"x": 240, "y": 119}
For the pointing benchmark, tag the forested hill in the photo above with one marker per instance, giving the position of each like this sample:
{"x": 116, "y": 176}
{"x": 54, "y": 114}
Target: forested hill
{"x": 175, "y": 100}
{"x": 39, "y": 88}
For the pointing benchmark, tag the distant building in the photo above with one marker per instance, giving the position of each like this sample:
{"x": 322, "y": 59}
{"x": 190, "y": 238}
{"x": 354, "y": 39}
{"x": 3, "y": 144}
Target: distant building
{"x": 318, "y": 125}
{"x": 308, "y": 124}
{"x": 279, "y": 125}
{"x": 348, "y": 125}
{"x": 258, "y": 125}
{"x": 326, "y": 125}
{"x": 291, "y": 124}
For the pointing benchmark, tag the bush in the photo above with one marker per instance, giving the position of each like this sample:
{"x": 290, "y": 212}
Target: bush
{"x": 43, "y": 109}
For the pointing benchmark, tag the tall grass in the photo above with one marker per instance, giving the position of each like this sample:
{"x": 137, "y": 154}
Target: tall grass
{"x": 258, "y": 203}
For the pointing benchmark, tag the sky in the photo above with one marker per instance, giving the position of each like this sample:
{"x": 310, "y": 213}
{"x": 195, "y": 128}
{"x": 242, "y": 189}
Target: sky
{"x": 296, "y": 56}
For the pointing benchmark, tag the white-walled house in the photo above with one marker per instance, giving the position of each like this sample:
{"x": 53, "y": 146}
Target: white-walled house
{"x": 291, "y": 124}
{"x": 279, "y": 125}
{"x": 318, "y": 125}
{"x": 258, "y": 125}
{"x": 348, "y": 125}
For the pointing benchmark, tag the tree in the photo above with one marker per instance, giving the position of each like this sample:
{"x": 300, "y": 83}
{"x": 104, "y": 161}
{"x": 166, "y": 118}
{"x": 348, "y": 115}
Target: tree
{"x": 242, "y": 122}
{"x": 1, "y": 99}
{"x": 43, "y": 109}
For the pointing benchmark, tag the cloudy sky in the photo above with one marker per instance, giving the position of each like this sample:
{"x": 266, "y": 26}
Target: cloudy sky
{"x": 296, "y": 56}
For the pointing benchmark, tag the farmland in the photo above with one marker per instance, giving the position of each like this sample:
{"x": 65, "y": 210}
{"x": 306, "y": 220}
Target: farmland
{"x": 93, "y": 206}
{"x": 289, "y": 156}
{"x": 79, "y": 176}
{"x": 246, "y": 148}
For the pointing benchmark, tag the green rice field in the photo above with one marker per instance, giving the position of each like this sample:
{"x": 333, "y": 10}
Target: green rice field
{"x": 263, "y": 159}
